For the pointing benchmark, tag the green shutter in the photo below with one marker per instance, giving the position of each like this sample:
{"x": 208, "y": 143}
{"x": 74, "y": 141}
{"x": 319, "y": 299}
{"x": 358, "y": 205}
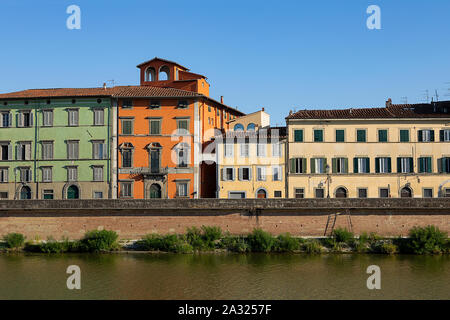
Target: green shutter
{"x": 334, "y": 165}
{"x": 421, "y": 165}
{"x": 399, "y": 165}
{"x": 404, "y": 136}
{"x": 419, "y": 136}
{"x": 377, "y": 165}
{"x": 340, "y": 136}
{"x": 298, "y": 135}
{"x": 389, "y": 165}
{"x": 368, "y": 165}
{"x": 361, "y": 135}
{"x": 411, "y": 165}
{"x": 382, "y": 135}
{"x": 346, "y": 165}
{"x": 430, "y": 166}
{"x": 313, "y": 165}
{"x": 318, "y": 135}
{"x": 431, "y": 135}
{"x": 293, "y": 165}
{"x": 355, "y": 165}
{"x": 324, "y": 168}
{"x": 441, "y": 135}
{"x": 303, "y": 165}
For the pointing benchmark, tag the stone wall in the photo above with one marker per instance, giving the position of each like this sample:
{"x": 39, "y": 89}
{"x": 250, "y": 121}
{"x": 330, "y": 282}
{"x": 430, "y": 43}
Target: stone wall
{"x": 132, "y": 219}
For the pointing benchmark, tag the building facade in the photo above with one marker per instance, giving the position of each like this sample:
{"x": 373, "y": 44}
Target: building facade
{"x": 396, "y": 151}
{"x": 55, "y": 144}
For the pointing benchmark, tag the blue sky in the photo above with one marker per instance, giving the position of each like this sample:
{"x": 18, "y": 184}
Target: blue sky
{"x": 281, "y": 55}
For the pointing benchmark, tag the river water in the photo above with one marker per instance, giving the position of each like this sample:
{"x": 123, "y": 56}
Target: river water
{"x": 223, "y": 276}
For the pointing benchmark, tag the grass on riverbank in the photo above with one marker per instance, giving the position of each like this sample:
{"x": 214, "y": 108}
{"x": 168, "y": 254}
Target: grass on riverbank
{"x": 426, "y": 240}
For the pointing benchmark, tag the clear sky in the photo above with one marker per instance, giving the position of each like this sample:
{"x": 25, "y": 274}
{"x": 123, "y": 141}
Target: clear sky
{"x": 280, "y": 55}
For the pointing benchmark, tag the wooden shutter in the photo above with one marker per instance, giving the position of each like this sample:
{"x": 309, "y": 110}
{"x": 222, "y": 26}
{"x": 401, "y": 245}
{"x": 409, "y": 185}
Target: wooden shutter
{"x": 355, "y": 165}
{"x": 431, "y": 135}
{"x": 399, "y": 165}
{"x": 313, "y": 165}
{"x": 421, "y": 165}
{"x": 303, "y": 162}
{"x": 222, "y": 173}
{"x": 9, "y": 119}
{"x": 324, "y": 165}
{"x": 27, "y": 151}
{"x": 411, "y": 165}
{"x": 292, "y": 165}
{"x": 441, "y": 135}
{"x": 31, "y": 119}
{"x": 389, "y": 165}
{"x": 10, "y": 152}
{"x": 334, "y": 165}
{"x": 345, "y": 165}
{"x": 420, "y": 135}
{"x": 377, "y": 165}
{"x": 240, "y": 174}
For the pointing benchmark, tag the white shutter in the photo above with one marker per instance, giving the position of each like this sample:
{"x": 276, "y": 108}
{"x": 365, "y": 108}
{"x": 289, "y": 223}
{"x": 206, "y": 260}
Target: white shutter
{"x": 233, "y": 174}
{"x": 95, "y": 146}
{"x": 27, "y": 151}
{"x": 224, "y": 172}
{"x": 250, "y": 173}
{"x": 105, "y": 151}
{"x": 20, "y": 119}
{"x": 10, "y": 152}
{"x": 240, "y": 174}
{"x": 31, "y": 119}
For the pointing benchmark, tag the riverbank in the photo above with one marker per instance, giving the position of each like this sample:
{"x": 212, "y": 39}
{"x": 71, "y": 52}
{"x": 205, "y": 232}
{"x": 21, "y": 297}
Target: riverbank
{"x": 421, "y": 240}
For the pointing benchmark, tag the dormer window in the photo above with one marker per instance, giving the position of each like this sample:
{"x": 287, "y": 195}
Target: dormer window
{"x": 155, "y": 104}
{"x": 150, "y": 74}
{"x": 183, "y": 104}
{"x": 164, "y": 73}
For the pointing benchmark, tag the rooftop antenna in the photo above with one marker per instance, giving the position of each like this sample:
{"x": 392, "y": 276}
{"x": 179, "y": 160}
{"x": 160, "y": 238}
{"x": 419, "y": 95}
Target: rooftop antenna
{"x": 448, "y": 94}
{"x": 426, "y": 96}
{"x": 113, "y": 83}
{"x": 404, "y": 100}
{"x": 436, "y": 95}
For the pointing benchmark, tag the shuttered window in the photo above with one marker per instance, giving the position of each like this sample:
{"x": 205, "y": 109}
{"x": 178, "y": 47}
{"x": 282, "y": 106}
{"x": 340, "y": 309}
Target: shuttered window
{"x": 361, "y": 135}
{"x": 5, "y": 120}
{"x": 182, "y": 189}
{"x": 261, "y": 173}
{"x": 3, "y": 175}
{"x": 425, "y": 135}
{"x": 228, "y": 149}
{"x": 72, "y": 149}
{"x": 228, "y": 174}
{"x": 72, "y": 173}
{"x": 99, "y": 117}
{"x": 24, "y": 119}
{"x": 6, "y": 151}
{"x": 276, "y": 149}
{"x": 383, "y": 165}
{"x": 244, "y": 174}
{"x": 444, "y": 165}
{"x": 245, "y": 148}
{"x": 46, "y": 174}
{"x": 297, "y": 165}
{"x": 126, "y": 190}
{"x": 318, "y": 165}
{"x": 23, "y": 151}
{"x": 26, "y": 175}
{"x": 99, "y": 149}
{"x": 405, "y": 165}
{"x": 98, "y": 173}
{"x": 404, "y": 135}
{"x": 127, "y": 158}
{"x": 318, "y": 135}
{"x": 277, "y": 172}
{"x": 261, "y": 150}
{"x": 340, "y": 135}
{"x": 127, "y": 126}
{"x": 361, "y": 165}
{"x": 298, "y": 135}
{"x": 382, "y": 135}
{"x": 425, "y": 165}
{"x": 444, "y": 135}
{"x": 155, "y": 126}
{"x": 47, "y": 150}
{"x": 47, "y": 118}
{"x": 73, "y": 117}
{"x": 340, "y": 165}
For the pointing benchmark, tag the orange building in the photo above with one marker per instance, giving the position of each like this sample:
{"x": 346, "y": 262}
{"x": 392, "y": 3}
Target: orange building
{"x": 162, "y": 127}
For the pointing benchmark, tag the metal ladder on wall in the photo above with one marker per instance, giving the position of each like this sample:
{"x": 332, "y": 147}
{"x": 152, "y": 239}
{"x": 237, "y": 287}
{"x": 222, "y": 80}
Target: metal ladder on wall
{"x": 331, "y": 222}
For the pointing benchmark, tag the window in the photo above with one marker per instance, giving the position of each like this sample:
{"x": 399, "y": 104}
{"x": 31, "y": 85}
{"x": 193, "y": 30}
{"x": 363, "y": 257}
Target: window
{"x": 183, "y": 126}
{"x": 183, "y": 104}
{"x": 6, "y": 151}
{"x": 3, "y": 195}
{"x": 238, "y": 127}
{"x": 261, "y": 173}
{"x": 126, "y": 189}
{"x": 97, "y": 173}
{"x": 127, "y": 158}
{"x": 298, "y": 165}
{"x": 298, "y": 135}
{"x": 5, "y": 120}
{"x": 127, "y": 126}
{"x": 384, "y": 193}
{"x": 318, "y": 135}
{"x": 361, "y": 165}
{"x": 245, "y": 149}
{"x": 218, "y": 112}
{"x": 25, "y": 119}
{"x": 319, "y": 193}
{"x": 72, "y": 149}
{"x": 182, "y": 189}
{"x": 47, "y": 118}
{"x": 277, "y": 194}
{"x": 361, "y": 135}
{"x": 405, "y": 165}
{"x": 340, "y": 135}
{"x": 99, "y": 117}
{"x": 24, "y": 151}
{"x": 99, "y": 149}
{"x": 46, "y": 174}
{"x": 276, "y": 149}
{"x": 427, "y": 192}
{"x": 277, "y": 172}
{"x": 404, "y": 135}
{"x": 47, "y": 150}
{"x": 382, "y": 135}
{"x": 228, "y": 174}
{"x": 73, "y": 117}
{"x": 3, "y": 175}
{"x": 446, "y": 193}
{"x": 25, "y": 175}
{"x": 182, "y": 155}
{"x": 340, "y": 165}
{"x": 444, "y": 165}
{"x": 127, "y": 104}
{"x": 444, "y": 135}
{"x": 245, "y": 174}
{"x": 155, "y": 126}
{"x": 154, "y": 104}
{"x": 251, "y": 127}
{"x": 383, "y": 165}
{"x": 261, "y": 150}
{"x": 48, "y": 194}
{"x": 362, "y": 192}
{"x": 209, "y": 108}
{"x": 98, "y": 195}
{"x": 425, "y": 135}
{"x": 318, "y": 165}
{"x": 72, "y": 173}
{"x": 228, "y": 149}
{"x": 299, "y": 193}
{"x": 425, "y": 165}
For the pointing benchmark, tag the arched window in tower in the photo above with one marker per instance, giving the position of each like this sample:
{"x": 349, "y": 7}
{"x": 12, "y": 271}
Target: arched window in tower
{"x": 150, "y": 74}
{"x": 164, "y": 73}
{"x": 251, "y": 127}
{"x": 238, "y": 127}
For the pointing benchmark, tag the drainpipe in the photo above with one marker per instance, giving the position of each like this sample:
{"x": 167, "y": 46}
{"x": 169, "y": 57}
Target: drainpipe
{"x": 36, "y": 134}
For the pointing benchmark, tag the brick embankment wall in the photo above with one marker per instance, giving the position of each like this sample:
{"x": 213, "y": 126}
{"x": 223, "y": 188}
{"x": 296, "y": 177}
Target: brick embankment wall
{"x": 133, "y": 219}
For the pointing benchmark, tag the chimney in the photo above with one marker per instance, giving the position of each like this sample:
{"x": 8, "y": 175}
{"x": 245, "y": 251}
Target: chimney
{"x": 351, "y": 110}
{"x": 290, "y": 112}
{"x": 104, "y": 85}
{"x": 221, "y": 99}
{"x": 262, "y": 109}
{"x": 389, "y": 103}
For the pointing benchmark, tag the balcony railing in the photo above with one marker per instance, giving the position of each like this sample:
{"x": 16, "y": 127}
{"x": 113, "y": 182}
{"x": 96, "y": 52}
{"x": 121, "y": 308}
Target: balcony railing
{"x": 147, "y": 170}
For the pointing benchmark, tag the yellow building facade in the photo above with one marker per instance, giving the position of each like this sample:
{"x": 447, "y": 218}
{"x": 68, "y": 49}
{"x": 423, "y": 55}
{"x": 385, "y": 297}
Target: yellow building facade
{"x": 396, "y": 151}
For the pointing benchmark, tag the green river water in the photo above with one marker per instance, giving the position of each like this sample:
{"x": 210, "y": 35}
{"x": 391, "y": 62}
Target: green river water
{"x": 223, "y": 276}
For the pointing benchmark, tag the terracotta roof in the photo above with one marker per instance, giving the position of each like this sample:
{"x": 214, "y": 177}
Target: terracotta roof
{"x": 391, "y": 112}
{"x": 57, "y": 92}
{"x": 261, "y": 133}
{"x": 164, "y": 60}
{"x": 148, "y": 91}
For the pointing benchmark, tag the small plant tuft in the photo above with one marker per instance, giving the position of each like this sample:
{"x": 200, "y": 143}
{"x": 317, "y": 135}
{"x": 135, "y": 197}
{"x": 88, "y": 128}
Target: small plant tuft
{"x": 14, "y": 240}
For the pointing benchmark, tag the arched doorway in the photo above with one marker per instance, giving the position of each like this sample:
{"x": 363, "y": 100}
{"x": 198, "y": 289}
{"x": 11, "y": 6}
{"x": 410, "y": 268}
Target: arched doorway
{"x": 261, "y": 194}
{"x": 406, "y": 192}
{"x": 341, "y": 193}
{"x": 25, "y": 193}
{"x": 73, "y": 192}
{"x": 155, "y": 191}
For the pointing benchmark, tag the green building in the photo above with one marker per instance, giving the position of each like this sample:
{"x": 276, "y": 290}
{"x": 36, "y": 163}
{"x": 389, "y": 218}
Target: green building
{"x": 55, "y": 144}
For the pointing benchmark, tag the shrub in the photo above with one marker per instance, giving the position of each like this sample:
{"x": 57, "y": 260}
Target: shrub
{"x": 211, "y": 235}
{"x": 427, "y": 240}
{"x": 194, "y": 238}
{"x": 388, "y": 248}
{"x": 361, "y": 244}
{"x": 53, "y": 246}
{"x": 260, "y": 241}
{"x": 287, "y": 243}
{"x": 312, "y": 246}
{"x": 14, "y": 240}
{"x": 235, "y": 244}
{"x": 96, "y": 241}
{"x": 151, "y": 242}
{"x": 343, "y": 235}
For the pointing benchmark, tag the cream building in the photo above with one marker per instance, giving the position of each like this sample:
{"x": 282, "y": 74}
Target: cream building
{"x": 396, "y": 151}
{"x": 251, "y": 158}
